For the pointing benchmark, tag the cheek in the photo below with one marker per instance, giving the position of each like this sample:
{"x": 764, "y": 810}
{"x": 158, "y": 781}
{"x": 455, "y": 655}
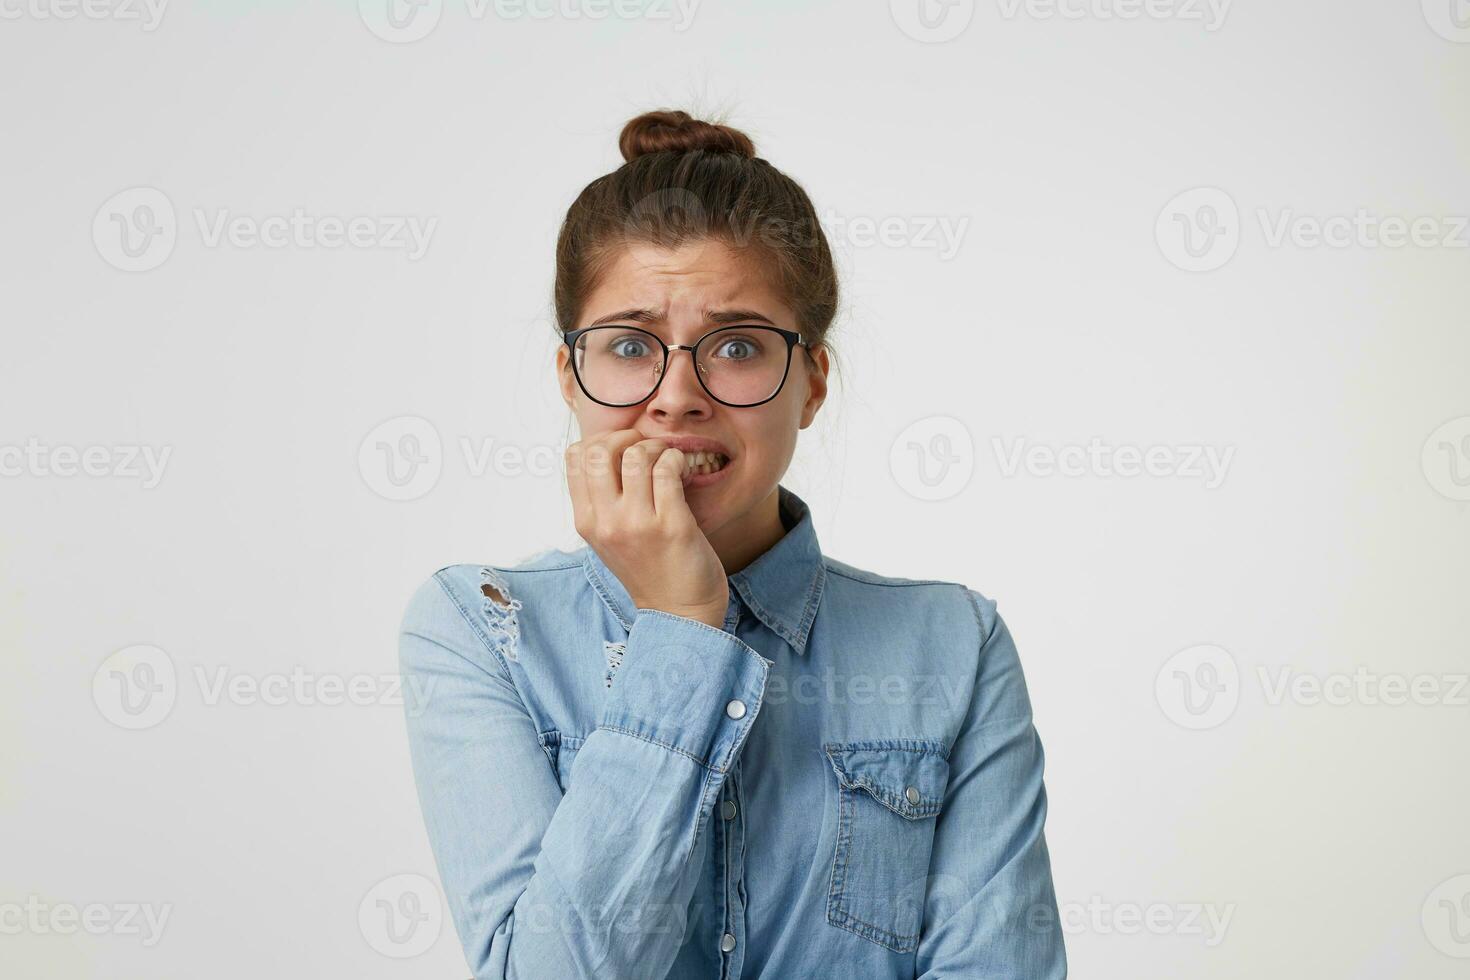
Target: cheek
{"x": 594, "y": 419}
{"x": 769, "y": 438}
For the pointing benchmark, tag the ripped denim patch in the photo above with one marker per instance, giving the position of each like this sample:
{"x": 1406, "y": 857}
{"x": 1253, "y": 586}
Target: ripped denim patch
{"x": 500, "y": 612}
{"x": 614, "y": 653}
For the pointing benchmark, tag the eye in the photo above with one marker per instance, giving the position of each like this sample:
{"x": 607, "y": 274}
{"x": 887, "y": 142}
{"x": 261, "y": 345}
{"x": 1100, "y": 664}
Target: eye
{"x": 629, "y": 346}
{"x": 737, "y": 347}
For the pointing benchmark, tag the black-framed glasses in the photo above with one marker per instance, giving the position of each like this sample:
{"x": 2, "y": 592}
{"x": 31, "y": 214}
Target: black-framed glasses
{"x": 739, "y": 366}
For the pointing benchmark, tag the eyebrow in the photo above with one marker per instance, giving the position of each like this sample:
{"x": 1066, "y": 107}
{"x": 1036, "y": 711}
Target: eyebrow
{"x": 710, "y": 316}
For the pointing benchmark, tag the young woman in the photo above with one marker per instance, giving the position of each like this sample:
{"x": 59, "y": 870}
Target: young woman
{"x": 699, "y": 747}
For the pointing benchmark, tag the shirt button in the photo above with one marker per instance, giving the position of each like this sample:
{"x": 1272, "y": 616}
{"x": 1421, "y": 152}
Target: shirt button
{"x": 735, "y": 709}
{"x": 727, "y": 809}
{"x": 727, "y": 943}
{"x": 912, "y": 795}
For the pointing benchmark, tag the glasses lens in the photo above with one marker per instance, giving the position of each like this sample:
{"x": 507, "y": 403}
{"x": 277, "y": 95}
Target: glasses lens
{"x": 742, "y": 365}
{"x": 618, "y": 365}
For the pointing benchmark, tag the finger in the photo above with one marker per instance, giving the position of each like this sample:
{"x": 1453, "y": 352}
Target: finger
{"x": 668, "y": 485}
{"x": 603, "y": 459}
{"x": 638, "y": 460}
{"x": 584, "y": 513}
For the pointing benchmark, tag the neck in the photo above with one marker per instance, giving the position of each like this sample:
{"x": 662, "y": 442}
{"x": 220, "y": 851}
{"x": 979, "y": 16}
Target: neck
{"x": 750, "y": 535}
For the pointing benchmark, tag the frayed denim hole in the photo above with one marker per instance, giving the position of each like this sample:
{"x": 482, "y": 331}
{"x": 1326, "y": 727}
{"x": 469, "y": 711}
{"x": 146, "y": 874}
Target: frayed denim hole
{"x": 500, "y": 612}
{"x": 614, "y": 653}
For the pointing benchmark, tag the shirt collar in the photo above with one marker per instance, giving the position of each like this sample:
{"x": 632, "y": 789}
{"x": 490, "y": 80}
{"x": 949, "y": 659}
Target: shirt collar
{"x": 782, "y": 586}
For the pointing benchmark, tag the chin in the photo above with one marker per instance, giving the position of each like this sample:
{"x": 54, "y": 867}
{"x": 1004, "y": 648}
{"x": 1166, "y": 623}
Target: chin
{"x": 702, "y": 509}
{"x": 708, "y": 512}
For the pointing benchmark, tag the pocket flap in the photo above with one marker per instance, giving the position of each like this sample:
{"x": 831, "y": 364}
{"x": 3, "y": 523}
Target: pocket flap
{"x": 908, "y": 776}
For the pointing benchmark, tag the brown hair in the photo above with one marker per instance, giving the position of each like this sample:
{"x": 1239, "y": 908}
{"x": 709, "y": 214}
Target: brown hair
{"x": 685, "y": 180}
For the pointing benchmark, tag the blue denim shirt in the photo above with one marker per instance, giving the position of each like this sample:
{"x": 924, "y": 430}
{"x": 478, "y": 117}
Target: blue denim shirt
{"x": 844, "y": 781}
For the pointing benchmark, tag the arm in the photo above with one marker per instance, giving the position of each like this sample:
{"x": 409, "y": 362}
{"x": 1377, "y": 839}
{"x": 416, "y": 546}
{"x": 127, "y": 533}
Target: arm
{"x": 596, "y": 883}
{"x": 991, "y": 911}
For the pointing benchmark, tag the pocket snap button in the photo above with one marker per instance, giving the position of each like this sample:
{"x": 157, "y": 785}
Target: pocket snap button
{"x": 912, "y": 795}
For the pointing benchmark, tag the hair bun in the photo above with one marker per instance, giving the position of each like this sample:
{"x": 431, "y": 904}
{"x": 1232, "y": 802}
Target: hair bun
{"x": 677, "y": 131}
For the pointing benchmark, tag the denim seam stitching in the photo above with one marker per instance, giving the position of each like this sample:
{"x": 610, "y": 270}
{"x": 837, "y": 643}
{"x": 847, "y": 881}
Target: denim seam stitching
{"x": 913, "y": 583}
{"x": 979, "y": 619}
{"x": 605, "y": 593}
{"x": 653, "y": 741}
{"x": 838, "y": 881}
{"x": 725, "y": 840}
{"x": 704, "y": 791}
{"x": 729, "y": 637}
{"x": 813, "y": 599}
{"x": 928, "y": 806}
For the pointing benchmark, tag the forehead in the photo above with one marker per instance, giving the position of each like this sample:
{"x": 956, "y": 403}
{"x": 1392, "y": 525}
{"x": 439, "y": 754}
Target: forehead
{"x": 694, "y": 279}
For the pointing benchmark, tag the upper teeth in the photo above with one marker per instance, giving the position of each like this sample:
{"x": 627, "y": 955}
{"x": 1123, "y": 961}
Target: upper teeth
{"x": 702, "y": 459}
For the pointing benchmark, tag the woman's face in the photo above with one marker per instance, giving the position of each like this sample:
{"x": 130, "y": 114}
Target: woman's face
{"x": 682, "y": 288}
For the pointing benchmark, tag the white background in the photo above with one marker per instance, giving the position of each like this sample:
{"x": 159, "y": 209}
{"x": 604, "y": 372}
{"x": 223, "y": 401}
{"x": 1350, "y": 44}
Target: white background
{"x": 1329, "y": 832}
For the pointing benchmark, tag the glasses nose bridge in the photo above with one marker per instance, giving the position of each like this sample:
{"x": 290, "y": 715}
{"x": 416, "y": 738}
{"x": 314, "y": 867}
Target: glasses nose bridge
{"x": 661, "y": 389}
{"x": 670, "y": 352}
{"x": 669, "y": 359}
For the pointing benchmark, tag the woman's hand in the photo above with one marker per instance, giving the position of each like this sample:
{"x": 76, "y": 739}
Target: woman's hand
{"x": 628, "y": 504}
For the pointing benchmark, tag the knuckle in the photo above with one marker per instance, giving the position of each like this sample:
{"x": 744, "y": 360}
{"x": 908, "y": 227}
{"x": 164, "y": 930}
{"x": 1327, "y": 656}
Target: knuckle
{"x": 595, "y": 460}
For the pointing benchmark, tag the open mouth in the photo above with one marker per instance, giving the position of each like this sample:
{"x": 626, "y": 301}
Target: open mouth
{"x": 702, "y": 463}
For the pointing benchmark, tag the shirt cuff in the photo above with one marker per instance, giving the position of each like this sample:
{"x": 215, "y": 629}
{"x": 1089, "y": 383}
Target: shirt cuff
{"x": 687, "y": 686}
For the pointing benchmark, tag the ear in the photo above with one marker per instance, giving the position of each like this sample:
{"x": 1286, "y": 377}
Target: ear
{"x": 564, "y": 378}
{"x": 816, "y": 377}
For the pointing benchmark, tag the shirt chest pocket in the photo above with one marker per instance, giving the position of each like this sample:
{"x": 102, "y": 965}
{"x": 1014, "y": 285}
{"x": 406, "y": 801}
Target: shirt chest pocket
{"x": 888, "y": 801}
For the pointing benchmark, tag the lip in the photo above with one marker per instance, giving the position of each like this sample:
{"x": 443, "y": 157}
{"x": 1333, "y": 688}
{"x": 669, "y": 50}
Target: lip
{"x": 696, "y": 444}
{"x": 699, "y": 480}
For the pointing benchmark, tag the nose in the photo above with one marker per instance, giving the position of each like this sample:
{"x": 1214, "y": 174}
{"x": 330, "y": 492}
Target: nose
{"x": 680, "y": 393}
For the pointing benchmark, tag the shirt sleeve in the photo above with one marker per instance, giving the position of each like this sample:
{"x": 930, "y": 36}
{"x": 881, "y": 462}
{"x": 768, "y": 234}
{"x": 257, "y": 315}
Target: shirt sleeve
{"x": 596, "y": 882}
{"x": 991, "y": 909}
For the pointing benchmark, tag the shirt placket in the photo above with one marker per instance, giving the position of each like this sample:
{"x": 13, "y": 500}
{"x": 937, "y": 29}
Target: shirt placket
{"x": 732, "y": 820}
{"x": 732, "y": 848}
